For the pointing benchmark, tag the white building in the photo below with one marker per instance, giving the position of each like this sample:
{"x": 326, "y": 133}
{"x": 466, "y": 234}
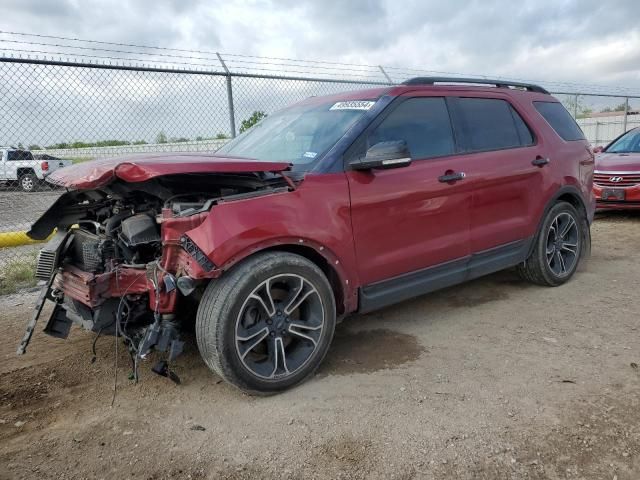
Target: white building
{"x": 600, "y": 128}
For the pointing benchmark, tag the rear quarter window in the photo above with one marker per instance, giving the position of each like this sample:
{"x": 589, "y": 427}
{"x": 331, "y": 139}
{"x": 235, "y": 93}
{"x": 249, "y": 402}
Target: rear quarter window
{"x": 560, "y": 120}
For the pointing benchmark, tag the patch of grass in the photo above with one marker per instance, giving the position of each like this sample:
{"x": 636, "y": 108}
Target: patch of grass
{"x": 18, "y": 274}
{"x": 79, "y": 159}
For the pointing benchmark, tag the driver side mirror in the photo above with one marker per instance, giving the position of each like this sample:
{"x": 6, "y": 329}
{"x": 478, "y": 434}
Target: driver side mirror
{"x": 598, "y": 149}
{"x": 384, "y": 155}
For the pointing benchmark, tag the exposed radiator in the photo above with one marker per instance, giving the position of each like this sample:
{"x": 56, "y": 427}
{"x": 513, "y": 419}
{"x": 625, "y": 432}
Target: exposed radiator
{"x": 49, "y": 256}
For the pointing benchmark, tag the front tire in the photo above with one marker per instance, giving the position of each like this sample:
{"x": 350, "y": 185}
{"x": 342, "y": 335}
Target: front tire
{"x": 28, "y": 182}
{"x": 266, "y": 325}
{"x": 558, "y": 249}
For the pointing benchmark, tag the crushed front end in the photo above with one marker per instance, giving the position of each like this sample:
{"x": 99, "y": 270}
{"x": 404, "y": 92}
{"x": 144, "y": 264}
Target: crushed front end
{"x": 121, "y": 261}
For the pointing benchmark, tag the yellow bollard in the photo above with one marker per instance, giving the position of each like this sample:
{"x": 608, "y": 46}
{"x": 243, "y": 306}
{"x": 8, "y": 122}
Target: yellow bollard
{"x": 17, "y": 239}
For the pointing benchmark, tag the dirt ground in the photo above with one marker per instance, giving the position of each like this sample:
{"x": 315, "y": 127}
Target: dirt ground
{"x": 495, "y": 379}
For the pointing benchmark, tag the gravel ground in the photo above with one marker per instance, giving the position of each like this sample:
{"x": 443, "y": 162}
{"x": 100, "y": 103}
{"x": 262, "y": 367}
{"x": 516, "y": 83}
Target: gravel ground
{"x": 495, "y": 379}
{"x": 18, "y": 210}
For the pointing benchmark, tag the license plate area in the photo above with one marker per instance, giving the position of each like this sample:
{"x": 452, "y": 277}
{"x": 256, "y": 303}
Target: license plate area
{"x": 613, "y": 194}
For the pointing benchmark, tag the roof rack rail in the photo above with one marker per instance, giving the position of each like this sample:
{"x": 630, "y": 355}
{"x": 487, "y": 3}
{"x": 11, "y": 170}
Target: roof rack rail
{"x": 486, "y": 81}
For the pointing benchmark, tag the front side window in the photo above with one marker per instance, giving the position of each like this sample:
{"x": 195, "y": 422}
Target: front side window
{"x": 560, "y": 120}
{"x": 300, "y": 134}
{"x": 422, "y": 122}
{"x": 491, "y": 124}
{"x": 627, "y": 143}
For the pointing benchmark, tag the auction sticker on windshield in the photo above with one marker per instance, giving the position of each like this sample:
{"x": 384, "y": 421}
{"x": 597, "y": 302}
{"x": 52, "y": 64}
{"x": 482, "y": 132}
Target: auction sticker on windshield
{"x": 353, "y": 105}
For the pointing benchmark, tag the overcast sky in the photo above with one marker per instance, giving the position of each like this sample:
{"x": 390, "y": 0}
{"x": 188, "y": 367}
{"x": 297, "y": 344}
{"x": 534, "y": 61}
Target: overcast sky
{"x": 581, "y": 43}
{"x": 587, "y": 41}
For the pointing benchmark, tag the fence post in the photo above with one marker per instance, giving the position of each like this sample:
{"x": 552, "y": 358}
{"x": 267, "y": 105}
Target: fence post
{"x": 626, "y": 113}
{"x": 575, "y": 107}
{"x": 385, "y": 74}
{"x": 232, "y": 113}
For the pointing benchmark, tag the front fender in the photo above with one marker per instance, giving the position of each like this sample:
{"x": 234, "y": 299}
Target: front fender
{"x": 316, "y": 215}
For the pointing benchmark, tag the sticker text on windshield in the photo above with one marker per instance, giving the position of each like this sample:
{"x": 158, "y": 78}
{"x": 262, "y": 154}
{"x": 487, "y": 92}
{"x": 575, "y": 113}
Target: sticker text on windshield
{"x": 353, "y": 105}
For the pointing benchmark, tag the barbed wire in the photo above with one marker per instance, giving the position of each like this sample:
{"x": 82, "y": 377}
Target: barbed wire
{"x": 193, "y": 58}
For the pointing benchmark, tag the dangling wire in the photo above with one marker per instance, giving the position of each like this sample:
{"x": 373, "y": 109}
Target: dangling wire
{"x": 118, "y": 319}
{"x": 95, "y": 341}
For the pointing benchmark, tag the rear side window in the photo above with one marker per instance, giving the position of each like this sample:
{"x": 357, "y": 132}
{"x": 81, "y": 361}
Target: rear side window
{"x": 560, "y": 120}
{"x": 19, "y": 155}
{"x": 491, "y": 124}
{"x": 423, "y": 123}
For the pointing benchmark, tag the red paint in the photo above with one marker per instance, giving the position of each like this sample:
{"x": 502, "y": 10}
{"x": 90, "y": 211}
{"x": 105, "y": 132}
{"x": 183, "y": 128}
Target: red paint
{"x": 315, "y": 215}
{"x": 613, "y": 165}
{"x": 405, "y": 219}
{"x": 93, "y": 289}
{"x": 368, "y": 226}
{"x": 139, "y": 168}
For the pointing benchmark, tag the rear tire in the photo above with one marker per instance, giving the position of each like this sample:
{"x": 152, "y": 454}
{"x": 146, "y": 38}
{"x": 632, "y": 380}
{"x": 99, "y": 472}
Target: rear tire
{"x": 559, "y": 246}
{"x": 266, "y": 325}
{"x": 28, "y": 182}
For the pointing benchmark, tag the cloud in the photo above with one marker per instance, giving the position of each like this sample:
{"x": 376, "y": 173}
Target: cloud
{"x": 564, "y": 43}
{"x": 538, "y": 39}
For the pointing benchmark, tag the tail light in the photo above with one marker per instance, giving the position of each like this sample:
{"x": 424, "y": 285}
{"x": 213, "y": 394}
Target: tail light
{"x": 44, "y": 166}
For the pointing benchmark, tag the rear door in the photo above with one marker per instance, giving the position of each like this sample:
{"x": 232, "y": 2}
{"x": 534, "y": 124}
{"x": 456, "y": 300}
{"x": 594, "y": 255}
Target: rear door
{"x": 508, "y": 185}
{"x": 408, "y": 219}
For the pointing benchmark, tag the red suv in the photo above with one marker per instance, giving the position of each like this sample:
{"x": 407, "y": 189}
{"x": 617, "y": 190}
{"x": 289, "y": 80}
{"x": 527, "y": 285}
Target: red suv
{"x": 339, "y": 204}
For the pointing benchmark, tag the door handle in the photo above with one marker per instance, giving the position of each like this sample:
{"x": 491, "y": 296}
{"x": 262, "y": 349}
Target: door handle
{"x": 452, "y": 177}
{"x": 540, "y": 162}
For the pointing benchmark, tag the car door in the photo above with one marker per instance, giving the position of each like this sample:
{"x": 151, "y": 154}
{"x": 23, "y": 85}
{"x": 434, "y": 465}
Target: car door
{"x": 508, "y": 185}
{"x": 408, "y": 219}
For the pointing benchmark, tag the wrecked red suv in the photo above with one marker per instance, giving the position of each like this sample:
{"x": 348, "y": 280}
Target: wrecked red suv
{"x": 338, "y": 204}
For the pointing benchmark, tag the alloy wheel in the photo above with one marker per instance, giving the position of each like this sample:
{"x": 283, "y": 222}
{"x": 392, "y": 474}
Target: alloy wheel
{"x": 279, "y": 326}
{"x": 562, "y": 244}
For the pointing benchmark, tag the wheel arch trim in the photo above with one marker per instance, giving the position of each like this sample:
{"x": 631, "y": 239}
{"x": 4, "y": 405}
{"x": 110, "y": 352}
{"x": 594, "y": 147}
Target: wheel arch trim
{"x": 343, "y": 285}
{"x": 572, "y": 195}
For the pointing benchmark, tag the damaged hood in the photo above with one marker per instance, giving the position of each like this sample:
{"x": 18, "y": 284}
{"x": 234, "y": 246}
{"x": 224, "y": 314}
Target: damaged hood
{"x": 139, "y": 168}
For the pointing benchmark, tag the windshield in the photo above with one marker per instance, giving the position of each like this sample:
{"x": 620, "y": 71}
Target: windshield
{"x": 628, "y": 143}
{"x": 300, "y": 135}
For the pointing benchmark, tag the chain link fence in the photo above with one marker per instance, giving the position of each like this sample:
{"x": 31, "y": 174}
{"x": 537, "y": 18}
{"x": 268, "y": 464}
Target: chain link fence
{"x": 57, "y": 113}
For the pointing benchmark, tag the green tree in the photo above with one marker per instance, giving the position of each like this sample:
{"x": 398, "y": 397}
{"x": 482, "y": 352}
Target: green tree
{"x": 252, "y": 120}
{"x": 222, "y": 136}
{"x": 35, "y": 147}
{"x": 161, "y": 138}
{"x": 575, "y": 104}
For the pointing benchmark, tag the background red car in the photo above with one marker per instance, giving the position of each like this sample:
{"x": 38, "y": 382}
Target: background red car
{"x": 616, "y": 180}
